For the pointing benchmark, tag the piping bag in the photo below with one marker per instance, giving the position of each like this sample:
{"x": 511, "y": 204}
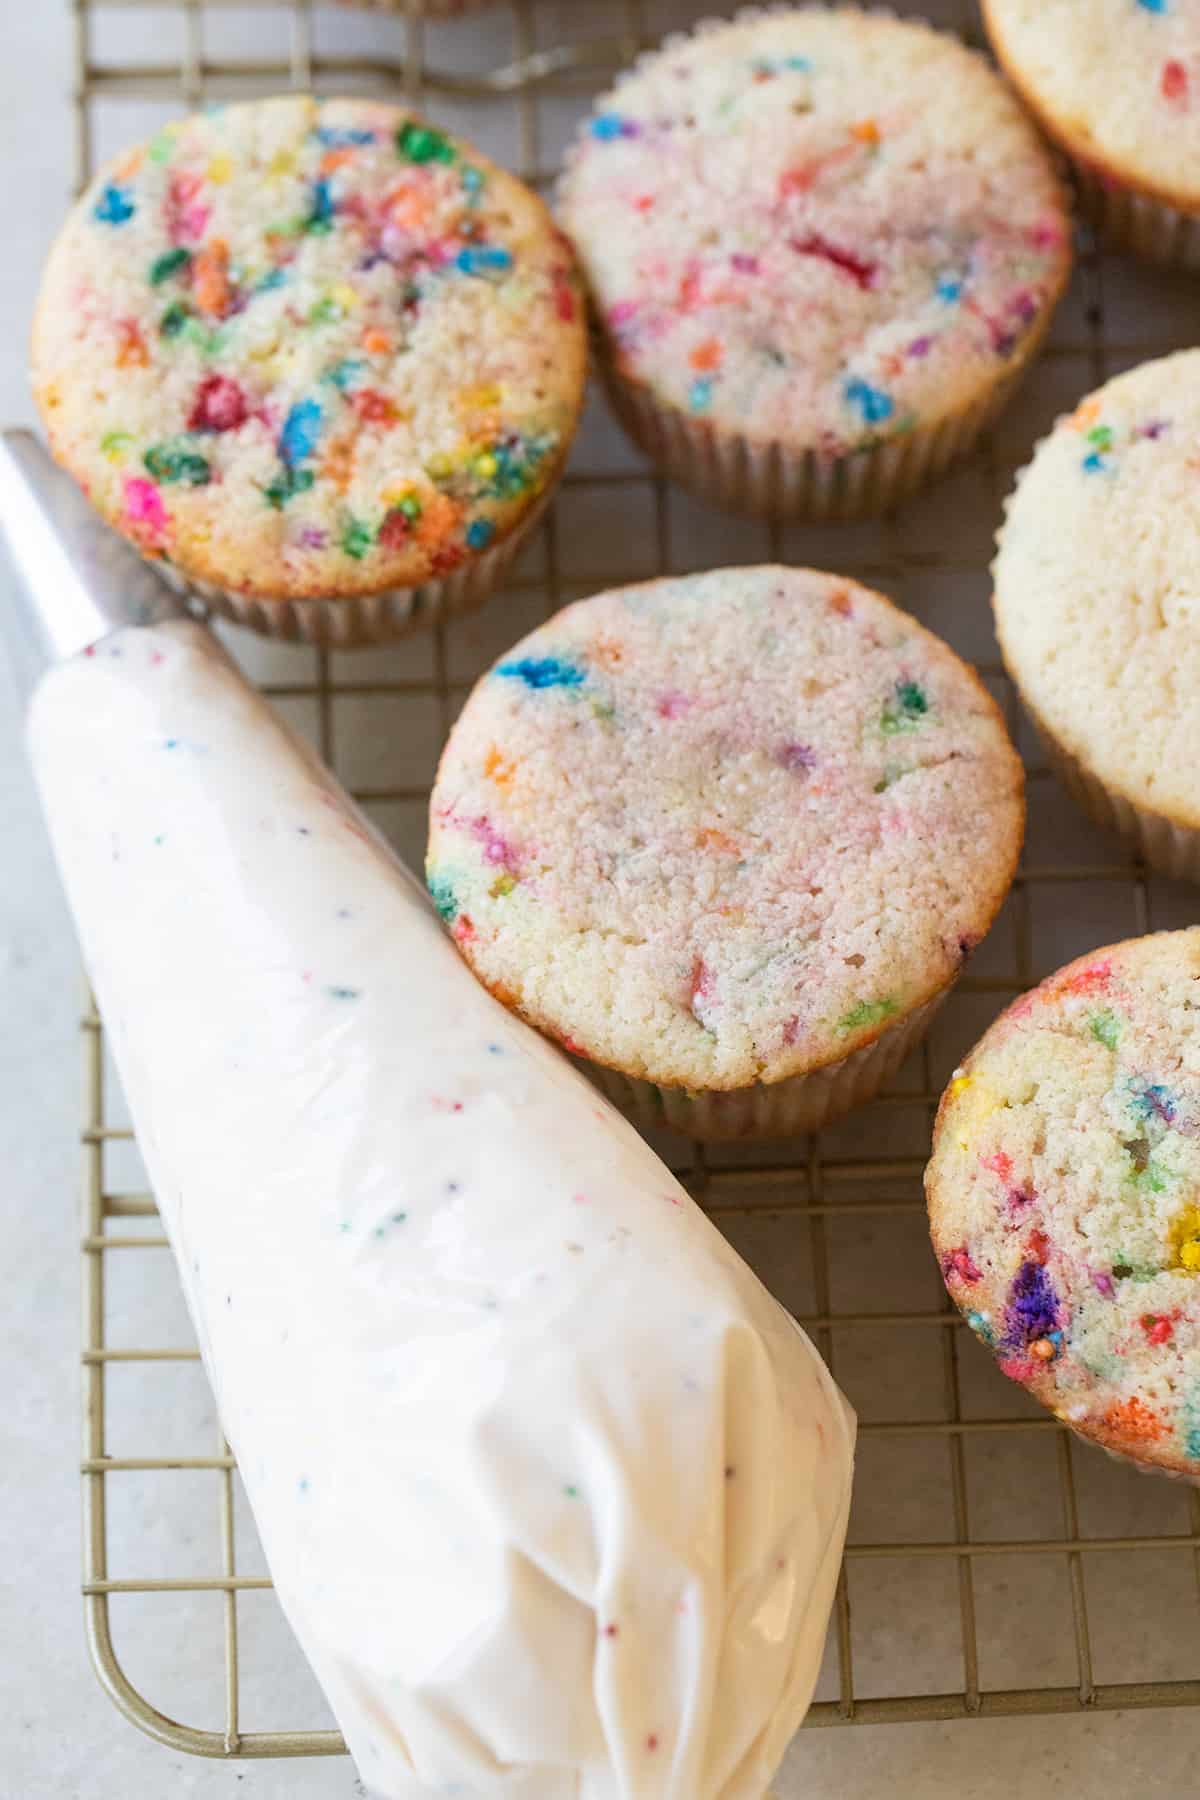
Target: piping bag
{"x": 552, "y": 1491}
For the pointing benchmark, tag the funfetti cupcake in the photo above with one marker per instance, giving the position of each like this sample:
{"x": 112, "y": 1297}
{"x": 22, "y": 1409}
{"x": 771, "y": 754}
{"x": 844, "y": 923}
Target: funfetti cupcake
{"x": 729, "y": 838}
{"x": 320, "y": 360}
{"x": 1064, "y": 1196}
{"x": 1116, "y": 85}
{"x": 821, "y": 246}
{"x": 1096, "y": 612}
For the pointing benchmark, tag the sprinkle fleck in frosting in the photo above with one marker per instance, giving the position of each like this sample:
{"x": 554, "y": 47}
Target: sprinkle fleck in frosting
{"x": 1095, "y": 592}
{"x": 305, "y": 347}
{"x": 724, "y": 829}
{"x": 1116, "y": 82}
{"x": 1064, "y": 1196}
{"x": 823, "y": 228}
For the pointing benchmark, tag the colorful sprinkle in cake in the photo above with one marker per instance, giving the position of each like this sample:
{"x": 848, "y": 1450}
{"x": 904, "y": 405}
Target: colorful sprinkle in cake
{"x": 823, "y": 229}
{"x": 310, "y": 347}
{"x": 724, "y": 829}
{"x": 1095, "y": 598}
{"x": 1115, "y": 82}
{"x": 1064, "y": 1196}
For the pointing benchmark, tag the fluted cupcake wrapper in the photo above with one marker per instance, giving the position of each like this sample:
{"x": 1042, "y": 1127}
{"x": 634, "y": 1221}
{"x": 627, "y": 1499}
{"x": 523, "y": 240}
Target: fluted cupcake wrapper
{"x": 1170, "y": 848}
{"x": 772, "y": 480}
{"x": 789, "y": 1108}
{"x": 352, "y": 621}
{"x": 1137, "y": 223}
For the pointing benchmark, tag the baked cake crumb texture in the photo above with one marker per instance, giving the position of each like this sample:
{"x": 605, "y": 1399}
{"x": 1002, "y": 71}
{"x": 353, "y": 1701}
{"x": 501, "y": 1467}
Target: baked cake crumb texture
{"x": 1095, "y": 585}
{"x": 1116, "y": 81}
{"x": 305, "y": 347}
{"x": 724, "y": 828}
{"x": 1064, "y": 1195}
{"x": 820, "y": 227}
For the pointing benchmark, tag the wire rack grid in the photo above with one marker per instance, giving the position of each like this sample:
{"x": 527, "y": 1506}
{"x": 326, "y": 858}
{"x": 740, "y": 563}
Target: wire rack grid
{"x": 979, "y": 1524}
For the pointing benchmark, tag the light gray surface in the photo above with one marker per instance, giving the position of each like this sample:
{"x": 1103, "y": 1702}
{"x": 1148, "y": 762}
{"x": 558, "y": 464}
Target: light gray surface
{"x": 63, "y": 1738}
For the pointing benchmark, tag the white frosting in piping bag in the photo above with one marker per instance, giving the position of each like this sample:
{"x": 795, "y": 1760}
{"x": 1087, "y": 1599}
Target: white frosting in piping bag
{"x": 552, "y": 1490}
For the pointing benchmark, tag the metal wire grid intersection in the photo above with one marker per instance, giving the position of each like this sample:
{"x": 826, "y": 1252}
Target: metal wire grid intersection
{"x": 805, "y": 1186}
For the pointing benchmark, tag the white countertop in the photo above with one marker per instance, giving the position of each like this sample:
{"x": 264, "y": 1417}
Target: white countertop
{"x": 66, "y": 1741}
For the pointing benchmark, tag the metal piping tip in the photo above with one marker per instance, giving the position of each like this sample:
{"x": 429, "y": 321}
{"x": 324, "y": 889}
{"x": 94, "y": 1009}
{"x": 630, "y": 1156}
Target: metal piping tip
{"x": 76, "y": 579}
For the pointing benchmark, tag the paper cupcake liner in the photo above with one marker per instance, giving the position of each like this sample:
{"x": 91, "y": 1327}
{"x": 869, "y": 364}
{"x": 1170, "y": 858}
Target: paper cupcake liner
{"x": 1136, "y": 222}
{"x": 348, "y": 623}
{"x": 771, "y": 480}
{"x": 790, "y": 1108}
{"x": 1170, "y": 848}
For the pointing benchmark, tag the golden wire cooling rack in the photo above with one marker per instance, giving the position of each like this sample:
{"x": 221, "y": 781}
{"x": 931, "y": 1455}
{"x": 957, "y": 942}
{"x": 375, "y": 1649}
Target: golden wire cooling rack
{"x": 994, "y": 1565}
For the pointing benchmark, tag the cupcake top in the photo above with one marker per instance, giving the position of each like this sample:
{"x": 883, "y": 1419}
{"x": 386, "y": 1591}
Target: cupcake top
{"x": 1064, "y": 1195}
{"x": 309, "y": 347}
{"x": 821, "y": 227}
{"x": 1115, "y": 81}
{"x": 1095, "y": 585}
{"x": 725, "y": 828}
